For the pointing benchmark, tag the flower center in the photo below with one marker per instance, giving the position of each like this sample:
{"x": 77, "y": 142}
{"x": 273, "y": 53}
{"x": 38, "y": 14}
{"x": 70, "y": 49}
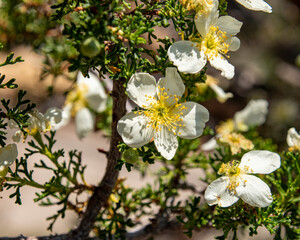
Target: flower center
{"x": 200, "y": 6}
{"x": 76, "y": 97}
{"x": 164, "y": 111}
{"x": 233, "y": 172}
{"x": 214, "y": 43}
{"x": 237, "y": 142}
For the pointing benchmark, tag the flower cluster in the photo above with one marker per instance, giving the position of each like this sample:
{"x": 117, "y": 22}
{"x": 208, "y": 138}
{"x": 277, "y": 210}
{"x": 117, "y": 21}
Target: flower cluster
{"x": 38, "y": 122}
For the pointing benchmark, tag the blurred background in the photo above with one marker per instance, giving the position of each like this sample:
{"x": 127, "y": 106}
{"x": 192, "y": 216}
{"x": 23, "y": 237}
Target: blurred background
{"x": 267, "y": 66}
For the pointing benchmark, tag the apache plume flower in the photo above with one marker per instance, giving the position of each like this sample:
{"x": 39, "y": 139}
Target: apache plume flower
{"x": 216, "y": 39}
{"x": 162, "y": 117}
{"x": 88, "y": 94}
{"x": 238, "y": 183}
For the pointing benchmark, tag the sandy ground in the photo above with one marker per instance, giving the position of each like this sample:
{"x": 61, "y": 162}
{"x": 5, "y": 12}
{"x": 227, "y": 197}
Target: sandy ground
{"x": 29, "y": 218}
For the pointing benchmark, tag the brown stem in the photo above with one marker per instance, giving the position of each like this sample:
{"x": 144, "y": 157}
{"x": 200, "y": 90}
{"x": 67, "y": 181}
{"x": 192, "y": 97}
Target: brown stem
{"x": 103, "y": 191}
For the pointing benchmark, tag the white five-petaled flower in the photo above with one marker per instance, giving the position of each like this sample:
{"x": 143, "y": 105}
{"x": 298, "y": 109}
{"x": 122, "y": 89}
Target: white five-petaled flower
{"x": 293, "y": 140}
{"x": 83, "y": 101}
{"x": 238, "y": 183}
{"x": 8, "y": 155}
{"x": 256, "y": 5}
{"x": 217, "y": 38}
{"x": 162, "y": 117}
{"x": 38, "y": 122}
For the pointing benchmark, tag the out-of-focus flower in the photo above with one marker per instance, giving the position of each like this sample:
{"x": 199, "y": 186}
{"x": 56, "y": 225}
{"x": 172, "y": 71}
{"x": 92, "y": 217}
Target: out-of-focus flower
{"x": 213, "y": 83}
{"x": 83, "y": 101}
{"x": 237, "y": 142}
{"x": 8, "y": 155}
{"x": 256, "y": 5}
{"x": 38, "y": 122}
{"x": 162, "y": 117}
{"x": 253, "y": 115}
{"x": 200, "y": 6}
{"x": 217, "y": 38}
{"x": 238, "y": 183}
{"x": 293, "y": 140}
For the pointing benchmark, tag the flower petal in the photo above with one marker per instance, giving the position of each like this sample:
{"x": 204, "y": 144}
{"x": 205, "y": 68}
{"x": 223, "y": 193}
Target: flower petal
{"x": 134, "y": 131}
{"x": 53, "y": 115}
{"x": 229, "y": 25}
{"x": 260, "y": 161}
{"x": 85, "y": 121}
{"x": 95, "y": 96}
{"x": 254, "y": 191}
{"x": 210, "y": 145}
{"x": 139, "y": 87}
{"x": 256, "y": 5}
{"x": 293, "y": 138}
{"x": 234, "y": 44}
{"x": 194, "y": 118}
{"x": 254, "y": 114}
{"x": 221, "y": 63}
{"x": 204, "y": 22}
{"x": 8, "y": 155}
{"x": 166, "y": 142}
{"x": 173, "y": 85}
{"x": 222, "y": 96}
{"x": 217, "y": 193}
{"x": 186, "y": 56}
{"x": 65, "y": 118}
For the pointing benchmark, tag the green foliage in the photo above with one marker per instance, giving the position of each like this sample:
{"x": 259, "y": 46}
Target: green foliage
{"x": 116, "y": 39}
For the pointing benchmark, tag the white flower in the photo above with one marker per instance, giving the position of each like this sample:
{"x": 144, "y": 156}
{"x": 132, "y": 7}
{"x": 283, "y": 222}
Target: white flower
{"x": 254, "y": 114}
{"x": 163, "y": 117}
{"x": 38, "y": 122}
{"x": 293, "y": 140}
{"x": 83, "y": 101}
{"x": 238, "y": 183}
{"x": 217, "y": 38}
{"x": 8, "y": 155}
{"x": 256, "y": 5}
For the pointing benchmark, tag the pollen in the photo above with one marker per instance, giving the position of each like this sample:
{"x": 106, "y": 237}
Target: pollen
{"x": 236, "y": 142}
{"x": 214, "y": 43}
{"x": 76, "y": 97}
{"x": 164, "y": 111}
{"x": 233, "y": 172}
{"x": 200, "y": 6}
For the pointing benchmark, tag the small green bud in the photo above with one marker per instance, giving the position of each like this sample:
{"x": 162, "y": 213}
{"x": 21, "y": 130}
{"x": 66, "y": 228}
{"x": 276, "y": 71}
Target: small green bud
{"x": 131, "y": 155}
{"x": 3, "y": 171}
{"x": 90, "y": 47}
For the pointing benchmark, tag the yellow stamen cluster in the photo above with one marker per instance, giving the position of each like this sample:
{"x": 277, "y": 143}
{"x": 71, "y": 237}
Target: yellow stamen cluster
{"x": 233, "y": 172}
{"x": 200, "y": 6}
{"x": 294, "y": 148}
{"x": 225, "y": 127}
{"x": 214, "y": 43}
{"x": 164, "y": 111}
{"x": 76, "y": 97}
{"x": 236, "y": 142}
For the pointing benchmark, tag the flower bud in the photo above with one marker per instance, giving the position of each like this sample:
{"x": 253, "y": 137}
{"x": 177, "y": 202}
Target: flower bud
{"x": 130, "y": 155}
{"x": 90, "y": 47}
